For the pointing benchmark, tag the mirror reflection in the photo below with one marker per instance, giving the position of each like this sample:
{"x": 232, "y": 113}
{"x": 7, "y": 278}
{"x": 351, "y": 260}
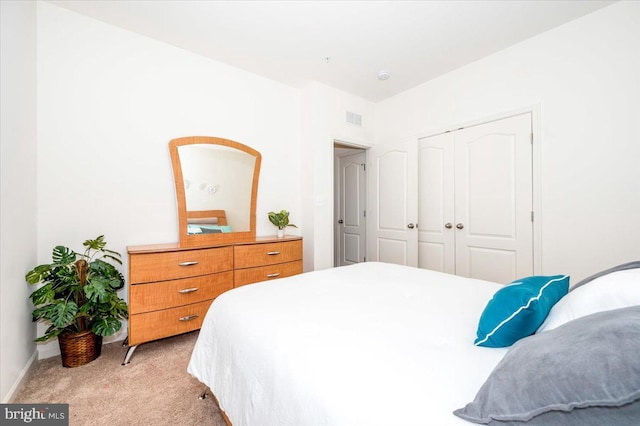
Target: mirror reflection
{"x": 216, "y": 189}
{"x": 217, "y": 185}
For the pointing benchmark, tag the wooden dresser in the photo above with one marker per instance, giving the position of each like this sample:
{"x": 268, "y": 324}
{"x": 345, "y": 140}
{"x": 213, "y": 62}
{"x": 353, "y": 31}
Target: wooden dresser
{"x": 266, "y": 261}
{"x": 172, "y": 287}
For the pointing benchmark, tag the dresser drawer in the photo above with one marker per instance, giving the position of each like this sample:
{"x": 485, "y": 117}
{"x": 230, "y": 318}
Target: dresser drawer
{"x": 248, "y": 256}
{"x": 264, "y": 273}
{"x": 164, "y": 266}
{"x": 169, "y": 294}
{"x": 168, "y": 322}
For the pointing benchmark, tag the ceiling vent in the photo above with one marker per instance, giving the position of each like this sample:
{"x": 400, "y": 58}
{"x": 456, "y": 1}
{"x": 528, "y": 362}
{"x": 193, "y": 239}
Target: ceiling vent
{"x": 353, "y": 118}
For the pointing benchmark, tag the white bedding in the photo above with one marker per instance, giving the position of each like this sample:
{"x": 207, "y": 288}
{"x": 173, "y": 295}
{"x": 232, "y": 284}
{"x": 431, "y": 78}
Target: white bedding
{"x": 367, "y": 344}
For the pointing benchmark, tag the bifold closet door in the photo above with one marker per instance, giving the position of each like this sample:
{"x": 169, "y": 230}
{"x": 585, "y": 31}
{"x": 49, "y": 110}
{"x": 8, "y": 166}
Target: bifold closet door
{"x": 483, "y": 226}
{"x": 436, "y": 241}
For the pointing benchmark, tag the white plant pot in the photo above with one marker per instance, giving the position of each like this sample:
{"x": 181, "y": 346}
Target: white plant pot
{"x": 280, "y": 233}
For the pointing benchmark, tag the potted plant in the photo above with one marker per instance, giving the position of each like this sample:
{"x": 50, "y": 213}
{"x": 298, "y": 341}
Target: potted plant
{"x": 281, "y": 220}
{"x": 79, "y": 299}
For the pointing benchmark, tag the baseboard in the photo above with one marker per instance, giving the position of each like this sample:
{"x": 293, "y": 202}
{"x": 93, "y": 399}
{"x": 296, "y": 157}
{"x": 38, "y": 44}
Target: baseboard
{"x": 48, "y": 349}
{"x": 20, "y": 380}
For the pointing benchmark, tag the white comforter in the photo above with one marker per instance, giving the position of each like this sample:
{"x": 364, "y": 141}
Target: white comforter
{"x": 368, "y": 344}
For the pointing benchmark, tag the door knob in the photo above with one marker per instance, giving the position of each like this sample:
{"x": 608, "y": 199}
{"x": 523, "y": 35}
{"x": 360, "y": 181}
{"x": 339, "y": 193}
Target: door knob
{"x": 459, "y": 226}
{"x": 448, "y": 225}
{"x": 340, "y": 221}
{"x": 411, "y": 226}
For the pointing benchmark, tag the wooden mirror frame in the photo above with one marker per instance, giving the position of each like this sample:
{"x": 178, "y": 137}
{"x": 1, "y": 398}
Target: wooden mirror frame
{"x": 203, "y": 240}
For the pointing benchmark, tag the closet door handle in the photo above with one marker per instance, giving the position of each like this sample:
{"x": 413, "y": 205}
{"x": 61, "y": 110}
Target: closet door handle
{"x": 191, "y": 263}
{"x": 411, "y": 226}
{"x": 189, "y": 317}
{"x": 188, "y": 290}
{"x": 460, "y": 226}
{"x": 448, "y": 225}
{"x": 273, "y": 253}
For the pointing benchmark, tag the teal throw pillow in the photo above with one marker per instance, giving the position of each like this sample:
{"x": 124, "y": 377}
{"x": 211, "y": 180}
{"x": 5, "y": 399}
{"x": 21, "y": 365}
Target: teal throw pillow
{"x": 518, "y": 309}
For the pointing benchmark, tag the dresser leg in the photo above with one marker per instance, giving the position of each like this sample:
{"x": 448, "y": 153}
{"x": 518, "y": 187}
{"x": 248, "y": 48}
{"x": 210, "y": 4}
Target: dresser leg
{"x": 203, "y": 395}
{"x": 127, "y": 357}
{"x": 125, "y": 342}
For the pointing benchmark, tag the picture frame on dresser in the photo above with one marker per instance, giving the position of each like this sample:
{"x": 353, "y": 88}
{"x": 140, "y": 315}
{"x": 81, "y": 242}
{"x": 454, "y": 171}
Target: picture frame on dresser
{"x": 171, "y": 286}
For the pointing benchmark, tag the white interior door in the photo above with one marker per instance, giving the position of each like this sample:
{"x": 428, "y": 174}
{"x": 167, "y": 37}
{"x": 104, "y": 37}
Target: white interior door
{"x": 436, "y": 234}
{"x": 393, "y": 216}
{"x": 493, "y": 200}
{"x": 352, "y": 216}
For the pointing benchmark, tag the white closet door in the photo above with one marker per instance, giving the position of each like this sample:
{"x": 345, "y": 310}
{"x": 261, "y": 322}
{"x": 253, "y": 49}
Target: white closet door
{"x": 436, "y": 234}
{"x": 493, "y": 200}
{"x": 392, "y": 232}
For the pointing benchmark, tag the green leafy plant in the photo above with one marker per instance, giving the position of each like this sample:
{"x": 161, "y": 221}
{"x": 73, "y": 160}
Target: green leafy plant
{"x": 79, "y": 291}
{"x": 281, "y": 220}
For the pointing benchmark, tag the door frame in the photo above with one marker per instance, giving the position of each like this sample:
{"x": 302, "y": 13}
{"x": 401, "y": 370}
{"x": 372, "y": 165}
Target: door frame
{"x": 534, "y": 110}
{"x": 337, "y": 144}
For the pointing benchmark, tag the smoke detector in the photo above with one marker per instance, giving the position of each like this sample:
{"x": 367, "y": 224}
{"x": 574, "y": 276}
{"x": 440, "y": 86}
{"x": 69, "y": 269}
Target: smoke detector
{"x": 384, "y": 75}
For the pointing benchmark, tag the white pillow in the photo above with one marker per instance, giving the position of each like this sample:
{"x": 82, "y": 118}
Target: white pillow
{"x": 612, "y": 291}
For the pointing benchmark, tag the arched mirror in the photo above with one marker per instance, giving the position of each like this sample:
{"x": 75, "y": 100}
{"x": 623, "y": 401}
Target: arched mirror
{"x": 216, "y": 189}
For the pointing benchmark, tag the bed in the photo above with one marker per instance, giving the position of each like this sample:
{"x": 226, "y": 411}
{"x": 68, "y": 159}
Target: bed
{"x": 366, "y": 344}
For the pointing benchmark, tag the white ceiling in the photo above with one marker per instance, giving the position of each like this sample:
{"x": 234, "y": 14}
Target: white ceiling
{"x": 289, "y": 41}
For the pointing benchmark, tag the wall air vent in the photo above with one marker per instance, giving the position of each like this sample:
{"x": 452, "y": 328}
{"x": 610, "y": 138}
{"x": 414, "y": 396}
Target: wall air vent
{"x": 353, "y": 118}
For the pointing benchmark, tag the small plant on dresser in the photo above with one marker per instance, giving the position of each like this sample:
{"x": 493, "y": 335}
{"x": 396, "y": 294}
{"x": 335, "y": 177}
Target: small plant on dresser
{"x": 280, "y": 220}
{"x": 79, "y": 299}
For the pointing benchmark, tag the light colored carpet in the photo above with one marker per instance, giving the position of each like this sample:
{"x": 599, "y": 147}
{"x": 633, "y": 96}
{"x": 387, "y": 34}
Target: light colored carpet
{"x": 154, "y": 389}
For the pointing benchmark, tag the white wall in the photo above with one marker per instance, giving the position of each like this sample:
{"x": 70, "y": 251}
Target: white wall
{"x": 17, "y": 189}
{"x": 585, "y": 78}
{"x": 324, "y": 121}
{"x": 109, "y": 102}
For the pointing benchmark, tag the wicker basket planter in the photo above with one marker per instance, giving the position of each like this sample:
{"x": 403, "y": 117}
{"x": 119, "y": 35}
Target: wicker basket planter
{"x": 78, "y": 349}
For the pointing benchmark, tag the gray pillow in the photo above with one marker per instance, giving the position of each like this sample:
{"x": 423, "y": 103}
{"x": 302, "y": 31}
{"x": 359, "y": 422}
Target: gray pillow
{"x": 580, "y": 373}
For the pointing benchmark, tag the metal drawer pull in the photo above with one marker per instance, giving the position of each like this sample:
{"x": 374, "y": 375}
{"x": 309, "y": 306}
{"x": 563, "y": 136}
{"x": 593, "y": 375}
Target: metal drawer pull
{"x": 273, "y": 253}
{"x": 275, "y": 274}
{"x": 193, "y": 262}
{"x": 189, "y": 317}
{"x": 188, "y": 290}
